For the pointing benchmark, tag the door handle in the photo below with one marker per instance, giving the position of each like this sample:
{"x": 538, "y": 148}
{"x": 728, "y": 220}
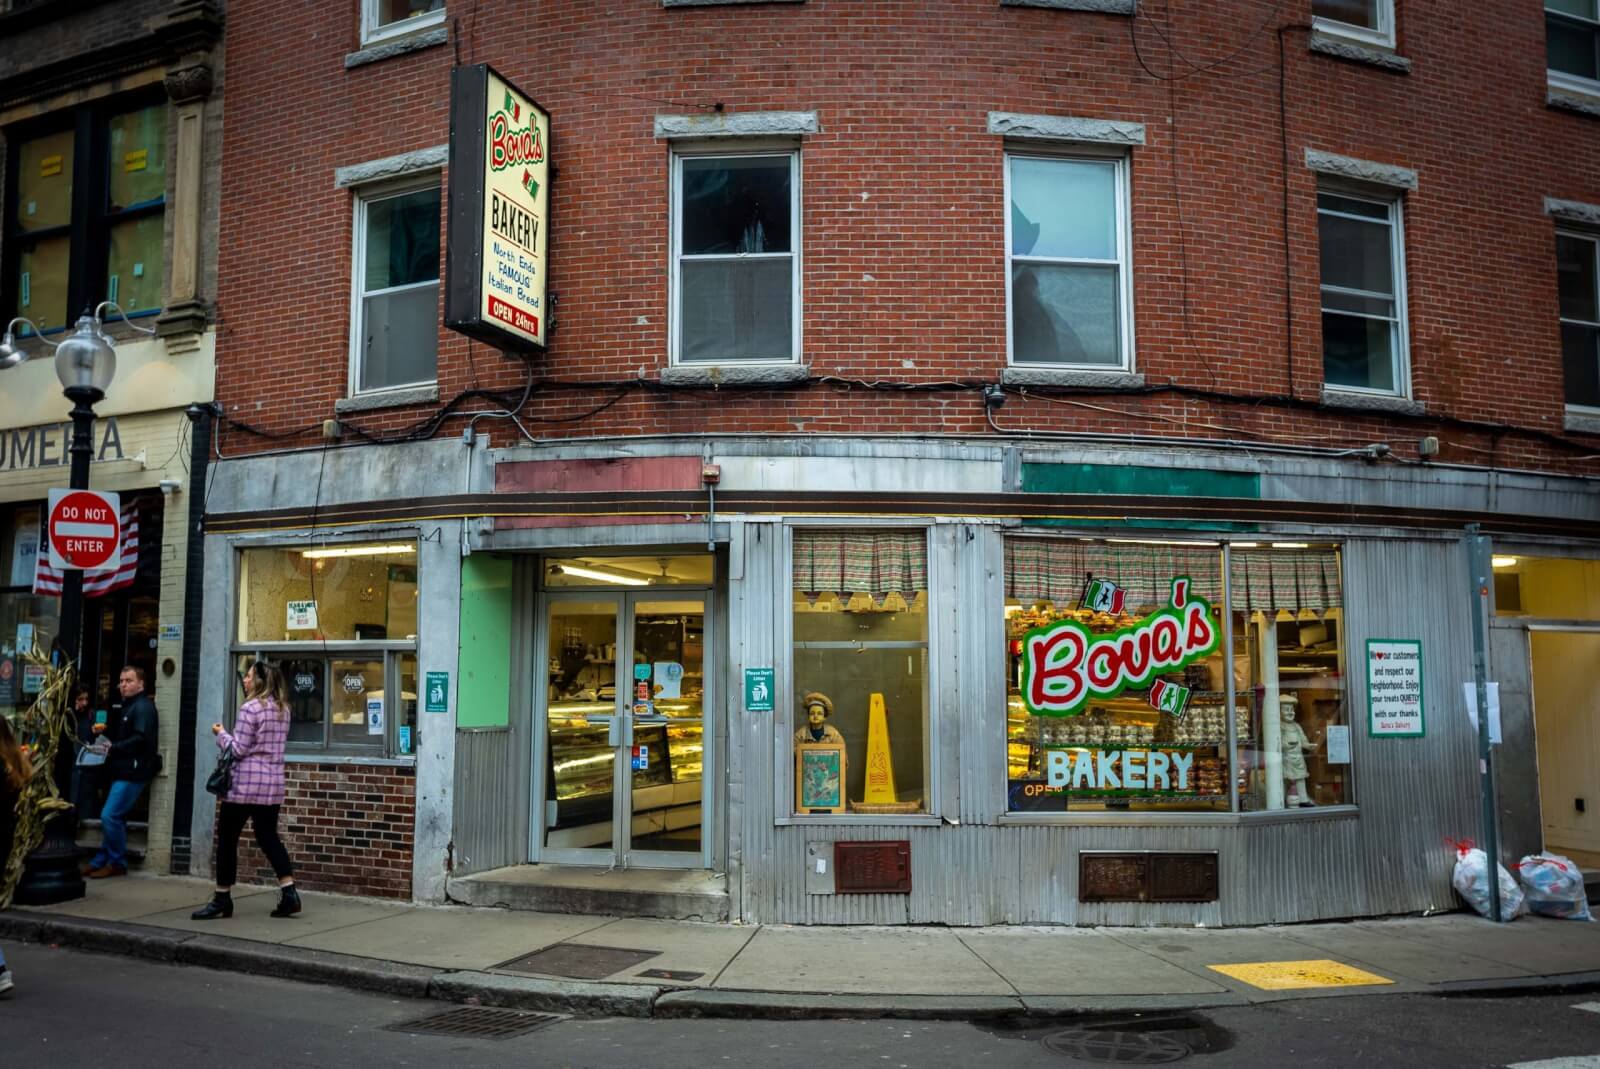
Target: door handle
{"x": 614, "y": 732}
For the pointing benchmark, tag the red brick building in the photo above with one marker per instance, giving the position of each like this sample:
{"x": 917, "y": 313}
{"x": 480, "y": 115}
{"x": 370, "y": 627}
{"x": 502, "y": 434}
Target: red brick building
{"x": 887, "y": 341}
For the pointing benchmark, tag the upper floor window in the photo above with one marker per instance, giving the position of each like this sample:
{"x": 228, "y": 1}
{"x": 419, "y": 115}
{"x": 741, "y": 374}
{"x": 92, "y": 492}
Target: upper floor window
{"x": 1067, "y": 239}
{"x": 1371, "y": 21}
{"x": 86, "y": 218}
{"x": 1363, "y": 293}
{"x": 1579, "y": 280}
{"x": 395, "y": 320}
{"x": 382, "y": 19}
{"x": 1572, "y": 39}
{"x": 736, "y": 258}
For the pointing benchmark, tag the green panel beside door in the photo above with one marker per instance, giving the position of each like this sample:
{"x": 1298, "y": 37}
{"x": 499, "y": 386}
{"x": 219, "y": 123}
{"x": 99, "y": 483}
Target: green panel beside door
{"x": 484, "y": 697}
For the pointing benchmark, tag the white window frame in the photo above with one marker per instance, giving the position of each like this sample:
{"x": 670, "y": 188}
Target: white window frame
{"x": 364, "y": 196}
{"x": 1572, "y": 83}
{"x": 794, "y": 255}
{"x": 1123, "y": 262}
{"x": 373, "y": 33}
{"x": 1594, "y": 245}
{"x": 1381, "y": 37}
{"x": 1397, "y": 263}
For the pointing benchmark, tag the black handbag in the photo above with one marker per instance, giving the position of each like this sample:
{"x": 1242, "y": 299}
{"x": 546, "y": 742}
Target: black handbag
{"x": 221, "y": 777}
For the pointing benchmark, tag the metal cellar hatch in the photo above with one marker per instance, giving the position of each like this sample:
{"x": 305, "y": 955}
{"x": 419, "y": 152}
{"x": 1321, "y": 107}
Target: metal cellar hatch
{"x": 579, "y": 961}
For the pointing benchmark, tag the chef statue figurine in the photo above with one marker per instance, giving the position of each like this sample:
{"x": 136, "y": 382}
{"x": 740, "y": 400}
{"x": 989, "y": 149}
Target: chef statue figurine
{"x": 1295, "y": 746}
{"x": 818, "y": 708}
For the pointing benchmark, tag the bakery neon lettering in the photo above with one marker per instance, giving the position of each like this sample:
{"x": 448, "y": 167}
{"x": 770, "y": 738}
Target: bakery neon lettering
{"x": 1153, "y": 770}
{"x": 1065, "y": 665}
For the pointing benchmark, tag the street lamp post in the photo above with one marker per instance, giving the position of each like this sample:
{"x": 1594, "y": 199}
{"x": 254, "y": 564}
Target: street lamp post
{"x": 85, "y": 364}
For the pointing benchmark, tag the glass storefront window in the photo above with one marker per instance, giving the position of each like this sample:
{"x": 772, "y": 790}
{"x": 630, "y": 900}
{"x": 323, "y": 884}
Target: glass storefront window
{"x": 1117, "y": 691}
{"x": 1551, "y": 588}
{"x": 328, "y": 593}
{"x": 1289, "y": 671}
{"x": 860, "y": 725}
{"x": 26, "y": 621}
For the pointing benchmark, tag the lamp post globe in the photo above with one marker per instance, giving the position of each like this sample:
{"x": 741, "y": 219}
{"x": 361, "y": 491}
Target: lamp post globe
{"x": 85, "y": 363}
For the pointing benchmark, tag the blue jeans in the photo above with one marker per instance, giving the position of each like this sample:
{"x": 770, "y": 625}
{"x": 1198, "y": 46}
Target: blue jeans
{"x": 114, "y": 823}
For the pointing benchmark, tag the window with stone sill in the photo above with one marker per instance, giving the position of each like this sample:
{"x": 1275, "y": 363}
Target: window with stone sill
{"x": 86, "y": 219}
{"x": 382, "y": 20}
{"x": 341, "y": 621}
{"x": 394, "y": 333}
{"x": 1572, "y": 43}
{"x": 736, "y": 259}
{"x": 1368, "y": 21}
{"x": 1364, "y": 336}
{"x": 1578, "y": 278}
{"x": 1068, "y": 283}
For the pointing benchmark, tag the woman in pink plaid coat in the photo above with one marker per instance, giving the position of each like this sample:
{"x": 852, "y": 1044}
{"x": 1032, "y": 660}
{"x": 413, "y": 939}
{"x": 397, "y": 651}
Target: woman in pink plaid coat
{"x": 256, "y": 793}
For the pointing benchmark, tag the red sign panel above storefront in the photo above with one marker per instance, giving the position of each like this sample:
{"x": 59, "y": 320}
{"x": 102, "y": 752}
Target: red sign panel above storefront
{"x": 497, "y": 263}
{"x": 85, "y": 529}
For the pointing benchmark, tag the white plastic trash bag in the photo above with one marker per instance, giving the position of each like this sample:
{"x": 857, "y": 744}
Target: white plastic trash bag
{"x": 1554, "y": 887}
{"x": 1471, "y": 880}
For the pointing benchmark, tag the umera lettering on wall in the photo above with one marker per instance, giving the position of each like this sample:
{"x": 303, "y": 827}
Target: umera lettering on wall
{"x": 1065, "y": 665}
{"x": 496, "y": 263}
{"x": 49, "y": 446}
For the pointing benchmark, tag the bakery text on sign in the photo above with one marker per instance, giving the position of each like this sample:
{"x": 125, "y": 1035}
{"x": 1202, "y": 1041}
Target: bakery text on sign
{"x": 1065, "y": 665}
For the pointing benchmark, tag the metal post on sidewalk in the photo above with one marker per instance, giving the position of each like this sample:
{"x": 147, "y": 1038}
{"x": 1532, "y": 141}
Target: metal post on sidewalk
{"x": 1480, "y": 569}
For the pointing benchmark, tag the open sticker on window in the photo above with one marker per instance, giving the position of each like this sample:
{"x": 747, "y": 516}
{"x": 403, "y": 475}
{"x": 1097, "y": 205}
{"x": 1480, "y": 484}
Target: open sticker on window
{"x": 137, "y": 160}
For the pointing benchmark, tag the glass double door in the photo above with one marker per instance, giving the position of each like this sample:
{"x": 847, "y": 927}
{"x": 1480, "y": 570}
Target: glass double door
{"x": 625, "y": 755}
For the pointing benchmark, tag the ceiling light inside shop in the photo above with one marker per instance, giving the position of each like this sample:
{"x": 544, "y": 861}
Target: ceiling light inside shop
{"x": 355, "y": 551}
{"x": 1245, "y": 545}
{"x": 1291, "y": 545}
{"x": 1505, "y": 562}
{"x": 1158, "y": 542}
{"x": 602, "y": 577}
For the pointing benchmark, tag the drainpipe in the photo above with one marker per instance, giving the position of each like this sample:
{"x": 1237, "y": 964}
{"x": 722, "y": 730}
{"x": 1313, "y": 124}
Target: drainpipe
{"x": 200, "y": 417}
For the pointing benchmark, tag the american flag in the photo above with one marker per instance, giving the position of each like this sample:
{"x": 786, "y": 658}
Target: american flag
{"x": 47, "y": 579}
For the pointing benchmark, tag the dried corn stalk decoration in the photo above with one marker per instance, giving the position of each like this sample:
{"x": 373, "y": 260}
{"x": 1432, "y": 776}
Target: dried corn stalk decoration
{"x": 44, "y": 725}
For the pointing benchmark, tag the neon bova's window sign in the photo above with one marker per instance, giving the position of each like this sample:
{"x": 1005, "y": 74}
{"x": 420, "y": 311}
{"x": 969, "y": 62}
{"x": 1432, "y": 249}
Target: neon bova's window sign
{"x": 1065, "y": 666}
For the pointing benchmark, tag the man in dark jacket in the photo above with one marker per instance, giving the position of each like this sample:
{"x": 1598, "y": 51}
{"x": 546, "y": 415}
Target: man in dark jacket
{"x": 132, "y": 760}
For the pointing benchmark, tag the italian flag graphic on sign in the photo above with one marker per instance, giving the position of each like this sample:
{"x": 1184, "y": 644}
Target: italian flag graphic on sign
{"x": 1102, "y": 595}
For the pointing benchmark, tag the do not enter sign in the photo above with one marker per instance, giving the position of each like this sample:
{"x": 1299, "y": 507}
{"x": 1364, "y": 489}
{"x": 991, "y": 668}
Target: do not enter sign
{"x": 85, "y": 530}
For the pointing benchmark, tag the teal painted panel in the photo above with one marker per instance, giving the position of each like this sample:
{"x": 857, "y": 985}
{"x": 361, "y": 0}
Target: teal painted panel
{"x": 484, "y": 697}
{"x": 1130, "y": 479}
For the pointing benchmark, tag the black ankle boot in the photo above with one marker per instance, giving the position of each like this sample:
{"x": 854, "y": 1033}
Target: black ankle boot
{"x": 221, "y": 905}
{"x": 288, "y": 902}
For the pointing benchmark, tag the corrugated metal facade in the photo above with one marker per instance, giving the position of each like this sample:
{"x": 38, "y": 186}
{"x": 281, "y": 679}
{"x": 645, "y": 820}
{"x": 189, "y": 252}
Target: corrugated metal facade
{"x": 1388, "y": 856}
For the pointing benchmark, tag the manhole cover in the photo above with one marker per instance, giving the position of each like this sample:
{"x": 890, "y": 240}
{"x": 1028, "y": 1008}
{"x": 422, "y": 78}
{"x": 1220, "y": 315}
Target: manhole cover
{"x": 578, "y": 961}
{"x": 1127, "y": 1048}
{"x": 477, "y": 1022}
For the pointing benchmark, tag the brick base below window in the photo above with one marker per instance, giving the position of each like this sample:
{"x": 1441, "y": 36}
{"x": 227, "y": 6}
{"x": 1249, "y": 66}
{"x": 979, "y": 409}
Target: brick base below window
{"x": 348, "y": 828}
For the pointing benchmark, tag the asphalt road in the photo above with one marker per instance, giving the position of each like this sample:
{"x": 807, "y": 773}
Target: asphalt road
{"x": 75, "y": 1009}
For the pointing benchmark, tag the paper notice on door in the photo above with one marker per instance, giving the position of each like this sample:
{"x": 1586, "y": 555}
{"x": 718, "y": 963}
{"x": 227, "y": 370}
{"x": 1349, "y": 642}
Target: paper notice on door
{"x": 668, "y": 680}
{"x": 1338, "y": 739}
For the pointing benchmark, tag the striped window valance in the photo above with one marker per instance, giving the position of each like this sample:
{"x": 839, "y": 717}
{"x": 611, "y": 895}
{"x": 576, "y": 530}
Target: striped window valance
{"x": 1270, "y": 580}
{"x": 1056, "y": 570}
{"x": 867, "y": 561}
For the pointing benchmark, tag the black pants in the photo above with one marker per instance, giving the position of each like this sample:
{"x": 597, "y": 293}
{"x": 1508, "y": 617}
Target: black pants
{"x": 230, "y": 822}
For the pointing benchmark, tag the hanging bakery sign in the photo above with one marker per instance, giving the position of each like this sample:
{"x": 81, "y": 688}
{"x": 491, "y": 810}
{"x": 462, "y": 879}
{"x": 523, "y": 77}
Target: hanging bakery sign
{"x": 496, "y": 262}
{"x": 1065, "y": 665}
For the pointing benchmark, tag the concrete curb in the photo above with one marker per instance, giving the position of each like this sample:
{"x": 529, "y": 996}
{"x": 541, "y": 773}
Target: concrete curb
{"x": 784, "y": 1006}
{"x": 585, "y": 999}
{"x": 605, "y": 999}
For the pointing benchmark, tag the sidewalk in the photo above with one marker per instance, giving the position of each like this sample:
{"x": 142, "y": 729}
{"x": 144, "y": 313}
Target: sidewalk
{"x": 640, "y": 968}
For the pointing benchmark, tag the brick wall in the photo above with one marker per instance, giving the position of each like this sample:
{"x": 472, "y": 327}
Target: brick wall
{"x": 348, "y": 828}
{"x": 904, "y": 216}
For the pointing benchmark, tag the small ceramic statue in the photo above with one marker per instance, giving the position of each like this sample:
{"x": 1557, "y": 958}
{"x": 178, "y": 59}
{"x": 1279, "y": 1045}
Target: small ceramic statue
{"x": 1295, "y": 745}
{"x": 818, "y": 708}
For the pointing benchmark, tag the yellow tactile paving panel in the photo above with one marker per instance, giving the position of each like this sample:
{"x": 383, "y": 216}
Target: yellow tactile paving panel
{"x": 1294, "y": 975}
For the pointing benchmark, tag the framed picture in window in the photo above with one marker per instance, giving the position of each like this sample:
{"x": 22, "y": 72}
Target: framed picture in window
{"x": 819, "y": 775}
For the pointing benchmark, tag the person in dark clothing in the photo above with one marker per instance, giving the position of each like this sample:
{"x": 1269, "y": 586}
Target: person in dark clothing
{"x": 132, "y": 760}
{"x": 15, "y": 769}
{"x": 87, "y": 766}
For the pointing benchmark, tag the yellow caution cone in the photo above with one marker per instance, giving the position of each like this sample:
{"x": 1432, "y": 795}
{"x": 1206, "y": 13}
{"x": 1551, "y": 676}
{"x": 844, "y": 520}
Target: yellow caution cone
{"x": 880, "y": 765}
